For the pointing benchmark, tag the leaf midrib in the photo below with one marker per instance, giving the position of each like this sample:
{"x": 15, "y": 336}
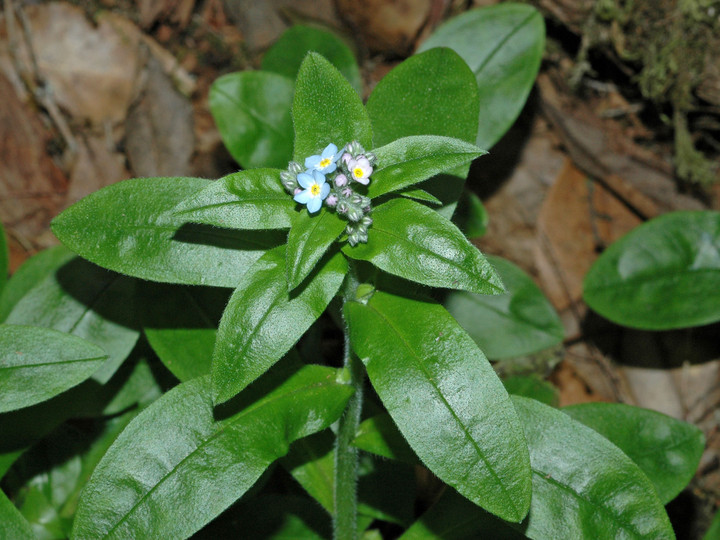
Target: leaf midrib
{"x": 501, "y": 43}
{"x": 58, "y": 363}
{"x": 651, "y": 278}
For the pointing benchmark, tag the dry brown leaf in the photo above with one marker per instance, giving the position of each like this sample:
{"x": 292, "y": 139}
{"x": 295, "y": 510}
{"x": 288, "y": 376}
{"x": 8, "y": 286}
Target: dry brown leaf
{"x": 96, "y": 165}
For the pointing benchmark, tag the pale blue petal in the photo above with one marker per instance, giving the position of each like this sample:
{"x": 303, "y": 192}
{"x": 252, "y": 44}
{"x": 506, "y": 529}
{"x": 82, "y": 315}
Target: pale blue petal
{"x": 324, "y": 191}
{"x": 305, "y": 180}
{"x": 330, "y": 168}
{"x": 312, "y": 161}
{"x": 314, "y": 204}
{"x": 330, "y": 151}
{"x": 318, "y": 177}
{"x": 303, "y": 197}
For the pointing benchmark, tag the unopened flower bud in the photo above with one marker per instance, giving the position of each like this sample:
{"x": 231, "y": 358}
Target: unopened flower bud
{"x": 341, "y": 180}
{"x": 351, "y": 228}
{"x": 331, "y": 200}
{"x": 355, "y": 148}
{"x": 370, "y": 157}
{"x": 356, "y": 199}
{"x": 295, "y": 168}
{"x": 367, "y": 221}
{"x": 347, "y": 192}
{"x": 342, "y": 207}
{"x": 363, "y": 237}
{"x": 367, "y": 209}
{"x": 346, "y": 157}
{"x": 365, "y": 202}
{"x": 354, "y": 214}
{"x": 353, "y": 239}
{"x": 289, "y": 181}
{"x": 297, "y": 190}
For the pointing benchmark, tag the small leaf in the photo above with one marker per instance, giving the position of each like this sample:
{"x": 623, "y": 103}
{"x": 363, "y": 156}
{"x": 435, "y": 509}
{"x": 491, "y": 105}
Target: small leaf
{"x": 516, "y": 323}
{"x": 287, "y": 53}
{"x": 38, "y": 363}
{"x": 263, "y": 320}
{"x": 410, "y": 160}
{"x": 253, "y": 199}
{"x": 532, "y": 386}
{"x": 86, "y": 301}
{"x": 503, "y": 45}
{"x": 667, "y": 450}
{"x": 326, "y": 109}
{"x": 12, "y": 524}
{"x": 30, "y": 273}
{"x": 471, "y": 216}
{"x": 252, "y": 112}
{"x": 583, "y": 485}
{"x": 380, "y": 436}
{"x": 457, "y": 416}
{"x": 308, "y": 240}
{"x": 412, "y": 241}
{"x": 420, "y": 195}
{"x": 195, "y": 466}
{"x": 311, "y": 462}
{"x": 664, "y": 274}
{"x": 4, "y": 258}
{"x": 130, "y": 227}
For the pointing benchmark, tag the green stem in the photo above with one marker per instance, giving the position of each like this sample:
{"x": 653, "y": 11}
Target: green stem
{"x": 346, "y": 456}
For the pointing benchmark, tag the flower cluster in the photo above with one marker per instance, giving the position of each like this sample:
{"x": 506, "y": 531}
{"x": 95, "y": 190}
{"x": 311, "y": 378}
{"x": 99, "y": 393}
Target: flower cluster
{"x": 331, "y": 177}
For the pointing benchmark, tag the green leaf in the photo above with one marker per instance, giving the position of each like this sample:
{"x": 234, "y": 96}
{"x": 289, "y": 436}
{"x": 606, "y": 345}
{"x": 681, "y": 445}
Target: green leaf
{"x": 86, "y": 301}
{"x": 30, "y": 273}
{"x": 288, "y": 52}
{"x": 326, "y": 109}
{"x": 433, "y": 93}
{"x": 410, "y": 160}
{"x": 664, "y": 274}
{"x": 516, "y": 323}
{"x": 532, "y": 386}
{"x": 38, "y": 363}
{"x": 263, "y": 320}
{"x": 667, "y": 450}
{"x": 503, "y": 45}
{"x": 380, "y": 436}
{"x": 12, "y": 524}
{"x": 180, "y": 323}
{"x": 412, "y": 241}
{"x": 471, "y": 216}
{"x": 4, "y": 258}
{"x": 130, "y": 227}
{"x": 420, "y": 195}
{"x": 457, "y": 417}
{"x": 583, "y": 485}
{"x": 713, "y": 533}
{"x": 252, "y": 112}
{"x": 308, "y": 240}
{"x": 253, "y": 199}
{"x": 193, "y": 462}
{"x": 311, "y": 462}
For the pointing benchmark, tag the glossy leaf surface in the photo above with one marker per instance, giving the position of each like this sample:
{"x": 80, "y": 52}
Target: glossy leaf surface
{"x": 12, "y": 524}
{"x": 433, "y": 93}
{"x": 188, "y": 466}
{"x": 287, "y": 53}
{"x": 143, "y": 238}
{"x": 263, "y": 320}
{"x": 521, "y": 321}
{"x": 471, "y": 216}
{"x": 583, "y": 485}
{"x": 38, "y": 363}
{"x": 666, "y": 450}
{"x": 308, "y": 240}
{"x": 252, "y": 113}
{"x": 89, "y": 302}
{"x": 503, "y": 46}
{"x": 411, "y": 160}
{"x": 412, "y": 241}
{"x": 253, "y": 199}
{"x": 445, "y": 398}
{"x": 664, "y": 274}
{"x": 379, "y": 435}
{"x": 326, "y": 109}
{"x": 30, "y": 273}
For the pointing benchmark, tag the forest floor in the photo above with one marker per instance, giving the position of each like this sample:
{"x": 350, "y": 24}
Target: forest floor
{"x": 96, "y": 91}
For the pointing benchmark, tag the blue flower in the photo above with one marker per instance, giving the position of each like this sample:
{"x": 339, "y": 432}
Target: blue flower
{"x": 314, "y": 192}
{"x": 326, "y": 162}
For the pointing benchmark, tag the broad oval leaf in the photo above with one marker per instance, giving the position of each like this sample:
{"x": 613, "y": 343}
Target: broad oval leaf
{"x": 664, "y": 274}
{"x": 39, "y": 363}
{"x": 326, "y": 109}
{"x": 503, "y": 45}
{"x": 188, "y": 466}
{"x": 262, "y": 320}
{"x": 433, "y": 93}
{"x": 287, "y": 53}
{"x": 12, "y": 524}
{"x": 253, "y": 199}
{"x": 412, "y": 241}
{"x": 583, "y": 485}
{"x": 445, "y": 398}
{"x": 130, "y": 227}
{"x": 516, "y": 323}
{"x": 86, "y": 301}
{"x": 309, "y": 239}
{"x": 411, "y": 160}
{"x": 30, "y": 273}
{"x": 666, "y": 450}
{"x": 252, "y": 112}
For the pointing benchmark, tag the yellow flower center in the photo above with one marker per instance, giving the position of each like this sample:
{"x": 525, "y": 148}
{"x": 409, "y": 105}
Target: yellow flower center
{"x": 315, "y": 189}
{"x": 358, "y": 172}
{"x": 325, "y": 162}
